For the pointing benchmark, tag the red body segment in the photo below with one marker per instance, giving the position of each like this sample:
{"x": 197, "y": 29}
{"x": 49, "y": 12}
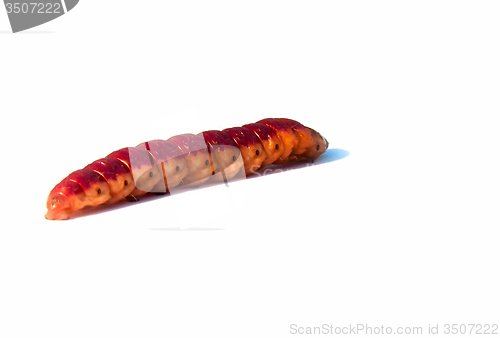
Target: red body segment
{"x": 197, "y": 157}
{"x": 217, "y": 137}
{"x": 225, "y": 154}
{"x": 133, "y": 157}
{"x": 99, "y": 166}
{"x": 94, "y": 186}
{"x": 287, "y": 136}
{"x": 167, "y": 156}
{"x": 272, "y": 144}
{"x": 251, "y": 149}
{"x": 161, "y": 150}
{"x": 303, "y": 134}
{"x": 188, "y": 159}
{"x": 142, "y": 165}
{"x": 116, "y": 174}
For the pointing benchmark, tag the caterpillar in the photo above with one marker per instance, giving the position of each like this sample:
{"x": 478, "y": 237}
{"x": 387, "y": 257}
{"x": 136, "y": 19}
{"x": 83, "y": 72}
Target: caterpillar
{"x": 183, "y": 160}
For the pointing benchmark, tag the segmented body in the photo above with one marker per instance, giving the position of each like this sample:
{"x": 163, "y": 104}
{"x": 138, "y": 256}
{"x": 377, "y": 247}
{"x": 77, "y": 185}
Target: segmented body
{"x": 188, "y": 159}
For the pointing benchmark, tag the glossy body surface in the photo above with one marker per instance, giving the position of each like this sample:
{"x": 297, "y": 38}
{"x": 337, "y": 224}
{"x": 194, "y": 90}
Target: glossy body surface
{"x": 183, "y": 160}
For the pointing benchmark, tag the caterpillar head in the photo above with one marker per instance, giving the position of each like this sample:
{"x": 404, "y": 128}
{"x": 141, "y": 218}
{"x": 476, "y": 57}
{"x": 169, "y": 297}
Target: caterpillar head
{"x": 319, "y": 147}
{"x": 58, "y": 207}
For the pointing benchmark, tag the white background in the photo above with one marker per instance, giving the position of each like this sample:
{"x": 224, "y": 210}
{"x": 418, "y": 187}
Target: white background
{"x": 402, "y": 232}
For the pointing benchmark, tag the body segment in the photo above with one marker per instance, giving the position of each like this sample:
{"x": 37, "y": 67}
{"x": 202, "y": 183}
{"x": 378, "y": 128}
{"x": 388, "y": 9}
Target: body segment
{"x": 251, "y": 149}
{"x": 224, "y": 153}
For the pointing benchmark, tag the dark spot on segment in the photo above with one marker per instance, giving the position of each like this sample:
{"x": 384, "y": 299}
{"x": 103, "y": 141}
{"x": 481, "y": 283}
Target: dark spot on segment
{"x": 207, "y": 162}
{"x": 151, "y": 174}
{"x": 177, "y": 168}
{"x": 277, "y": 146}
{"x": 98, "y": 191}
{"x": 126, "y": 182}
{"x": 234, "y": 158}
{"x": 317, "y": 147}
{"x": 257, "y": 153}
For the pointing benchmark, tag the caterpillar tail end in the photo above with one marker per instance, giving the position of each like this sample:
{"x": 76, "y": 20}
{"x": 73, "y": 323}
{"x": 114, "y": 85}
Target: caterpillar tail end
{"x": 59, "y": 207}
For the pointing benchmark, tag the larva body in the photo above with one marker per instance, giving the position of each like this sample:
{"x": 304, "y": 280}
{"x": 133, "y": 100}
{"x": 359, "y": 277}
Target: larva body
{"x": 188, "y": 159}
